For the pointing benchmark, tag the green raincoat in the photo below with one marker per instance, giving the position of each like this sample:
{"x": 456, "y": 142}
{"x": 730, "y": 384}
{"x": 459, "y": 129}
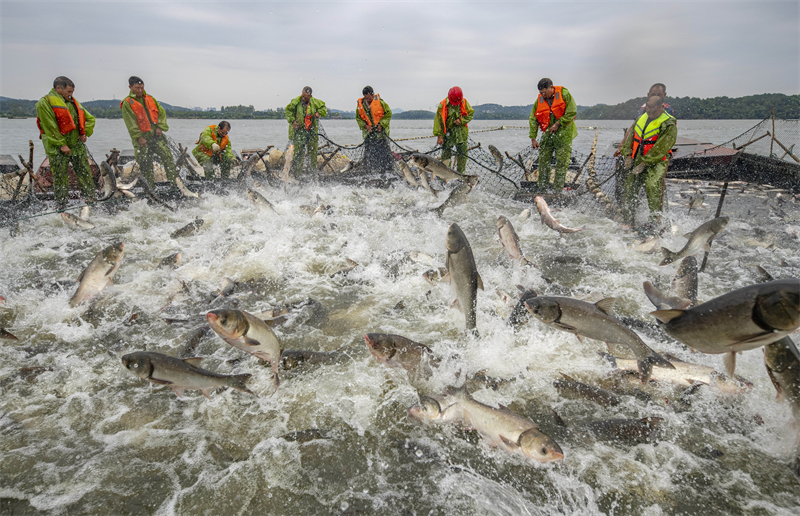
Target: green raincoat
{"x": 384, "y": 123}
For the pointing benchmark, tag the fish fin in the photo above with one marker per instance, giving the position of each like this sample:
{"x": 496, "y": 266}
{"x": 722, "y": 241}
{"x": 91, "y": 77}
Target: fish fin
{"x": 266, "y": 357}
{"x": 250, "y": 342}
{"x": 729, "y": 360}
{"x": 671, "y": 357}
{"x": 656, "y": 359}
{"x": 687, "y": 236}
{"x": 238, "y": 382}
{"x": 568, "y": 377}
{"x": 178, "y": 391}
{"x": 606, "y": 305}
{"x": 645, "y": 369}
{"x": 557, "y": 418}
{"x": 160, "y": 382}
{"x": 760, "y": 338}
{"x": 580, "y": 339}
{"x": 206, "y": 392}
{"x": 653, "y": 294}
{"x": 511, "y": 444}
{"x": 566, "y": 327}
{"x": 668, "y": 255}
{"x": 666, "y": 316}
{"x": 456, "y": 304}
{"x": 194, "y": 361}
{"x": 480, "y": 281}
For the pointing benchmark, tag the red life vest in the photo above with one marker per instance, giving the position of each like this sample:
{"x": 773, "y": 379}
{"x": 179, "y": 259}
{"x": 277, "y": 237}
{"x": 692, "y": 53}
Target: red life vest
{"x": 215, "y": 137}
{"x": 645, "y": 133}
{"x": 543, "y": 109}
{"x": 444, "y": 105}
{"x": 63, "y": 117}
{"x": 139, "y": 111}
{"x": 375, "y": 109}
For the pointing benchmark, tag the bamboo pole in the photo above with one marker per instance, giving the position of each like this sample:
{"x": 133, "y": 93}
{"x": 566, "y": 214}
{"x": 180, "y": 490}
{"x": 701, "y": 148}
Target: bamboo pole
{"x": 773, "y": 133}
{"x": 784, "y": 148}
{"x": 752, "y": 141}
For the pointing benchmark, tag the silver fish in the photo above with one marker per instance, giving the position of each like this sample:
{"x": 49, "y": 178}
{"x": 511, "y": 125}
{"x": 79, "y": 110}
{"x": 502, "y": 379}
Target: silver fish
{"x": 747, "y": 318}
{"x": 109, "y": 181}
{"x": 568, "y": 387}
{"x": 699, "y": 240}
{"x": 524, "y": 215}
{"x": 436, "y": 167}
{"x": 684, "y": 284}
{"x": 506, "y": 429}
{"x": 783, "y": 367}
{"x": 548, "y": 219}
{"x": 426, "y": 185}
{"x": 686, "y": 374}
{"x": 662, "y": 302}
{"x": 510, "y": 240}
{"x": 464, "y": 277}
{"x": 399, "y": 351}
{"x": 457, "y": 195}
{"x": 98, "y": 274}
{"x": 498, "y": 158}
{"x": 259, "y": 201}
{"x": 181, "y": 374}
{"x": 696, "y": 200}
{"x": 173, "y": 260}
{"x": 249, "y": 334}
{"x": 292, "y": 359}
{"x": 185, "y": 189}
{"x": 595, "y": 322}
{"x": 152, "y": 195}
{"x": 85, "y": 213}
{"x": 629, "y": 431}
{"x": 189, "y": 229}
{"x": 437, "y": 409}
{"x": 407, "y": 174}
{"x": 72, "y": 220}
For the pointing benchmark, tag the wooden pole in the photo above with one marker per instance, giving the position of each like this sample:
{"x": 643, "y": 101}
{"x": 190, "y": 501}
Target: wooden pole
{"x": 752, "y": 141}
{"x": 784, "y": 148}
{"x": 773, "y": 133}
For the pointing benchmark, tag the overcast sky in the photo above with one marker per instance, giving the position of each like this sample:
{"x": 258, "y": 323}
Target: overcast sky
{"x": 262, "y": 53}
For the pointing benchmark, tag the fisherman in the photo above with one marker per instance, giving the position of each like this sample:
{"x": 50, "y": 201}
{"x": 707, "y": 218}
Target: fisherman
{"x": 63, "y": 139}
{"x": 646, "y": 149}
{"x": 214, "y": 148}
{"x": 303, "y": 114}
{"x": 554, "y": 112}
{"x": 658, "y": 89}
{"x": 373, "y": 116}
{"x": 146, "y": 121}
{"x": 450, "y": 126}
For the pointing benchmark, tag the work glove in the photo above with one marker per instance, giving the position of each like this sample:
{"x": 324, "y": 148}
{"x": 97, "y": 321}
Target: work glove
{"x": 638, "y": 170}
{"x": 627, "y": 162}
{"x": 215, "y": 147}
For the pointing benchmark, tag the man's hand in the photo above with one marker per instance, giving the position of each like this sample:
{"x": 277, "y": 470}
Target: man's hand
{"x": 158, "y": 131}
{"x": 534, "y": 143}
{"x": 617, "y": 153}
{"x": 378, "y": 128}
{"x": 215, "y": 148}
{"x": 316, "y": 115}
{"x": 638, "y": 170}
{"x": 294, "y": 124}
{"x": 457, "y": 121}
{"x": 554, "y": 127}
{"x": 82, "y": 138}
{"x": 439, "y": 140}
{"x": 142, "y": 141}
{"x": 627, "y": 162}
{"x": 65, "y": 150}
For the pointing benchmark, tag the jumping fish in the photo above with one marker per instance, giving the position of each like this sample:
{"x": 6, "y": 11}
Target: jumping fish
{"x": 457, "y": 195}
{"x": 72, "y": 220}
{"x": 407, "y": 174}
{"x": 436, "y": 167}
{"x": 181, "y": 374}
{"x": 571, "y": 388}
{"x": 498, "y": 158}
{"x": 185, "y": 189}
{"x": 98, "y": 274}
{"x": 259, "y": 201}
{"x": 189, "y": 229}
{"x": 399, "y": 351}
{"x": 699, "y": 240}
{"x": 548, "y": 219}
{"x": 426, "y": 185}
{"x": 109, "y": 181}
{"x": 249, "y": 334}
{"x": 464, "y": 277}
{"x": 684, "y": 284}
{"x": 746, "y": 318}
{"x": 783, "y": 367}
{"x": 510, "y": 240}
{"x": 595, "y": 322}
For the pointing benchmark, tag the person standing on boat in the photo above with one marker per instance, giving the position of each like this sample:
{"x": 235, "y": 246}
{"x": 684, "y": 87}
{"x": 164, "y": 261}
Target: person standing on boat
{"x": 646, "y": 150}
{"x": 303, "y": 114}
{"x": 373, "y": 116}
{"x": 658, "y": 89}
{"x": 64, "y": 126}
{"x": 450, "y": 126}
{"x": 146, "y": 121}
{"x": 215, "y": 149}
{"x": 554, "y": 113}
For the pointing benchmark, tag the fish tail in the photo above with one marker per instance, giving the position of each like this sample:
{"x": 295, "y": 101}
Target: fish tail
{"x": 669, "y": 256}
{"x": 238, "y": 382}
{"x": 645, "y": 369}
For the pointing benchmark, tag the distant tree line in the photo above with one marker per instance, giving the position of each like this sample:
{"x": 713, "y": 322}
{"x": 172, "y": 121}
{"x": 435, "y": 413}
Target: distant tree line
{"x": 686, "y": 108}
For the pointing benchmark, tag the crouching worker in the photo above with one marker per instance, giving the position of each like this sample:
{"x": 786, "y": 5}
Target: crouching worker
{"x": 64, "y": 126}
{"x": 646, "y": 151}
{"x": 214, "y": 148}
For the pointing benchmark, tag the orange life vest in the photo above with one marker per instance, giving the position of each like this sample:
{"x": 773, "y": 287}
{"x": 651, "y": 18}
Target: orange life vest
{"x": 139, "y": 111}
{"x": 375, "y": 109}
{"x": 222, "y": 144}
{"x": 63, "y": 117}
{"x": 444, "y": 104}
{"x": 543, "y": 109}
{"x": 307, "y": 120}
{"x": 645, "y": 133}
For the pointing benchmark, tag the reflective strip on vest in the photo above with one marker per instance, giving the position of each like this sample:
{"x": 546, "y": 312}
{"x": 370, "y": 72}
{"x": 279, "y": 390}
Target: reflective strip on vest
{"x": 543, "y": 109}
{"x": 375, "y": 109}
{"x": 214, "y": 136}
{"x": 139, "y": 110}
{"x": 63, "y": 117}
{"x": 645, "y": 133}
{"x": 444, "y": 104}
